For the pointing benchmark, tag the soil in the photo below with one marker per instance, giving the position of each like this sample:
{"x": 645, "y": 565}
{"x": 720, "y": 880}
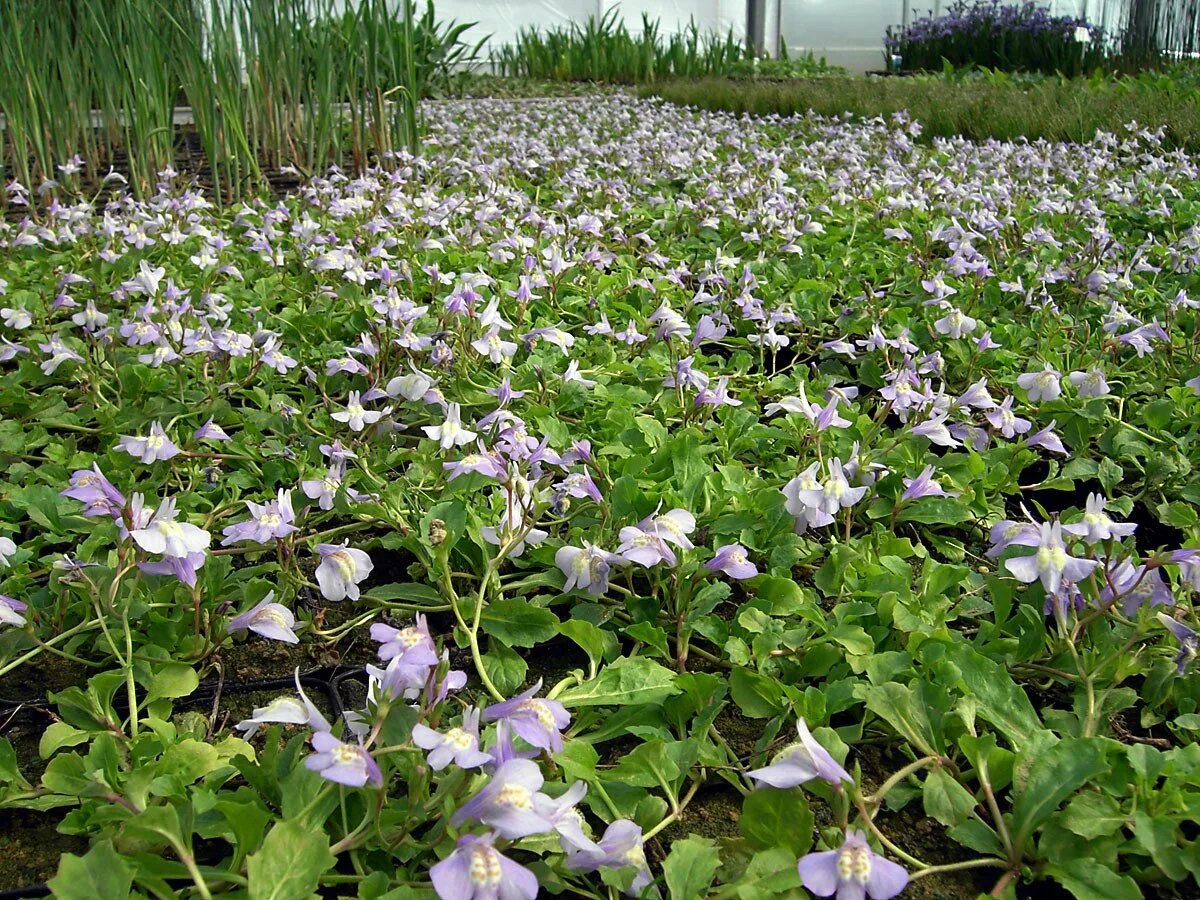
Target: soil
{"x": 30, "y": 847}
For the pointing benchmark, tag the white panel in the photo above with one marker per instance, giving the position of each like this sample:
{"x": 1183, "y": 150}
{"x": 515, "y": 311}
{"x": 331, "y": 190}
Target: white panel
{"x": 502, "y": 19}
{"x": 840, "y": 24}
{"x": 674, "y": 15}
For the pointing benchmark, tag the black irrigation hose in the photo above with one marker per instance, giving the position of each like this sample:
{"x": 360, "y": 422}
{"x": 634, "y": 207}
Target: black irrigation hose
{"x": 323, "y": 678}
{"x": 328, "y": 679}
{"x": 29, "y": 890}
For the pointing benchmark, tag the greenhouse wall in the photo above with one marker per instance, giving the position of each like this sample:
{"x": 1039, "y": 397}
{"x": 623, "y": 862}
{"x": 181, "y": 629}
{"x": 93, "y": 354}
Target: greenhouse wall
{"x": 846, "y": 32}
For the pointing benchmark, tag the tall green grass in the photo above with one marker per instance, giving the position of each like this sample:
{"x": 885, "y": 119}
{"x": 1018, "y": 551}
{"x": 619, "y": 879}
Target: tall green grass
{"x": 269, "y": 82}
{"x": 604, "y": 49}
{"x": 995, "y": 106}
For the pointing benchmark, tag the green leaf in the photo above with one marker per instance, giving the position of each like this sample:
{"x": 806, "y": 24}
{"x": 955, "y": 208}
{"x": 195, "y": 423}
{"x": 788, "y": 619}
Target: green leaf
{"x": 10, "y": 771}
{"x": 58, "y": 735}
{"x": 756, "y": 695}
{"x": 934, "y": 511}
{"x": 1110, "y": 475}
{"x": 777, "y": 818}
{"x": 1159, "y": 837}
{"x": 690, "y": 867}
{"x": 504, "y": 666}
{"x": 172, "y": 679}
{"x": 999, "y": 699}
{"x": 1054, "y": 775}
{"x": 646, "y": 765}
{"x": 771, "y": 874}
{"x": 100, "y": 874}
{"x": 597, "y": 643}
{"x": 1091, "y": 815}
{"x": 945, "y": 799}
{"x": 408, "y": 593}
{"x": 897, "y": 705}
{"x": 289, "y": 864}
{"x": 628, "y": 681}
{"x": 519, "y": 623}
{"x": 1088, "y": 879}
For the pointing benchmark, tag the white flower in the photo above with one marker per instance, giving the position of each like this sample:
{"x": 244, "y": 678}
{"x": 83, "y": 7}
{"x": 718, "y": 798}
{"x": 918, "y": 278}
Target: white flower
{"x": 572, "y": 374}
{"x": 340, "y": 571}
{"x": 355, "y": 416}
{"x": 1043, "y": 385}
{"x": 7, "y": 549}
{"x": 170, "y": 538}
{"x": 451, "y": 432}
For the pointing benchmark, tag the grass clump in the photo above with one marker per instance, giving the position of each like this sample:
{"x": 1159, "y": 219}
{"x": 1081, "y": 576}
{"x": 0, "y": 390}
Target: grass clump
{"x": 994, "y": 106}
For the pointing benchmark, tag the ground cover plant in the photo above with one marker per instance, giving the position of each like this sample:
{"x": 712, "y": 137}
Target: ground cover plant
{"x": 615, "y": 498}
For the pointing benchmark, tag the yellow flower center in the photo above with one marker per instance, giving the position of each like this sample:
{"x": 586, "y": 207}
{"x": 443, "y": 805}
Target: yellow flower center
{"x": 541, "y": 710}
{"x": 515, "y": 795}
{"x": 854, "y": 864}
{"x": 485, "y": 867}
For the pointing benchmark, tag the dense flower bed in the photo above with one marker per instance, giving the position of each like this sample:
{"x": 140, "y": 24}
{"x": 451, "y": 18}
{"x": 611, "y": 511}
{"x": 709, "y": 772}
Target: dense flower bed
{"x": 616, "y": 446}
{"x": 1010, "y": 37}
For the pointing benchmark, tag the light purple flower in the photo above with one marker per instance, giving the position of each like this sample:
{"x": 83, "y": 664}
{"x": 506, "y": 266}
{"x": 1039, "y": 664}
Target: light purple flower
{"x": 182, "y": 567}
{"x": 451, "y": 432}
{"x": 586, "y": 568}
{"x": 165, "y": 535}
{"x": 1135, "y": 587}
{"x": 459, "y": 744}
{"x": 924, "y": 485}
{"x": 340, "y": 571}
{"x": 1096, "y": 526}
{"x": 1090, "y": 383}
{"x": 1043, "y": 385}
{"x": 486, "y": 464}
{"x": 210, "y": 431}
{"x": 835, "y": 493}
{"x": 800, "y": 763}
{"x": 476, "y": 870}
{"x": 155, "y": 446}
{"x": 646, "y": 548}
{"x": 267, "y": 618}
{"x": 268, "y": 522}
{"x": 562, "y": 815}
{"x": 287, "y": 711}
{"x": 804, "y": 496}
{"x": 1050, "y": 563}
{"x": 356, "y": 416}
{"x": 341, "y": 763}
{"x": 1006, "y": 421}
{"x": 620, "y": 847}
{"x": 852, "y": 872}
{"x": 1008, "y": 532}
{"x": 412, "y": 643}
{"x": 732, "y": 560}
{"x": 505, "y": 803}
{"x": 1189, "y": 642}
{"x": 399, "y": 679}
{"x": 11, "y": 611}
{"x": 323, "y": 490}
{"x": 955, "y": 324}
{"x": 1047, "y": 439}
{"x": 537, "y": 721}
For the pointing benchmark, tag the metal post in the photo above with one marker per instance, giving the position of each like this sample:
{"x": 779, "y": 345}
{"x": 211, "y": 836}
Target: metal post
{"x": 756, "y": 26}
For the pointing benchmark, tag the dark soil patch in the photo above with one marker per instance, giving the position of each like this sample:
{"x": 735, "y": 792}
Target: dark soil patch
{"x": 30, "y": 847}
